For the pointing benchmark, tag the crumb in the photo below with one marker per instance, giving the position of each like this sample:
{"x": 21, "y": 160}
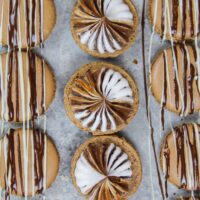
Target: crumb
{"x": 135, "y": 61}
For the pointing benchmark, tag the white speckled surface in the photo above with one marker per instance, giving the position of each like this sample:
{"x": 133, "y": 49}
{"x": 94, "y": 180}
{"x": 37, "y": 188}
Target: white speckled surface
{"x": 65, "y": 57}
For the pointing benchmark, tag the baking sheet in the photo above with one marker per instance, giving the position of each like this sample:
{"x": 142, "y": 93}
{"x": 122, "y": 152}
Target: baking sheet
{"x": 65, "y": 57}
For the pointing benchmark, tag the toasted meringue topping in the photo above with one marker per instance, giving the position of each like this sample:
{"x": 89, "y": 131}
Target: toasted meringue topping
{"x": 103, "y": 172}
{"x": 102, "y": 99}
{"x": 103, "y": 25}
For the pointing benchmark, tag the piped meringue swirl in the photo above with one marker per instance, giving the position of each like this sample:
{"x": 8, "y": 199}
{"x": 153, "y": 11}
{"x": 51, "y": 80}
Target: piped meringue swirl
{"x": 101, "y": 99}
{"x": 103, "y": 172}
{"x": 105, "y": 26}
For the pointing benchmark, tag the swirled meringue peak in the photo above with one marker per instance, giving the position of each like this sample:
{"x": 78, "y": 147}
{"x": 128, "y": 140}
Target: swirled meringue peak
{"x": 106, "y": 168}
{"x": 104, "y": 28}
{"x": 101, "y": 98}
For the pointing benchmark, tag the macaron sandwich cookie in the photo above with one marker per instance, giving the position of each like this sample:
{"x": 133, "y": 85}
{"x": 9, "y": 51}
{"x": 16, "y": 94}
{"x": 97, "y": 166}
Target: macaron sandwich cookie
{"x": 26, "y": 23}
{"x": 175, "y": 20}
{"x": 29, "y": 162}
{"x": 180, "y": 156}
{"x": 106, "y": 167}
{"x": 104, "y": 28}
{"x": 101, "y": 98}
{"x": 176, "y": 70}
{"x": 27, "y": 86}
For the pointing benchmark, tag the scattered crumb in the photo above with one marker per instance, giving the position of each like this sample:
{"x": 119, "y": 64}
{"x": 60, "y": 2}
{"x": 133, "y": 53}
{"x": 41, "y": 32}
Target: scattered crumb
{"x": 135, "y": 61}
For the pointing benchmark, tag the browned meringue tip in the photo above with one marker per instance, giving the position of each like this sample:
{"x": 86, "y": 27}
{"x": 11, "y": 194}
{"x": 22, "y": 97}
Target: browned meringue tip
{"x": 100, "y": 145}
{"x": 99, "y": 109}
{"x": 123, "y": 31}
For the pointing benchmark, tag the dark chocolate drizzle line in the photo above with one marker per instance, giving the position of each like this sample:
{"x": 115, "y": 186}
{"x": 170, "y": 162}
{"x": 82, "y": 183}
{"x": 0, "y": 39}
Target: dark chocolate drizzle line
{"x": 10, "y": 164}
{"x": 181, "y": 155}
{"x": 38, "y": 142}
{"x": 194, "y": 152}
{"x": 167, "y": 160}
{"x": 175, "y": 6}
{"x": 176, "y": 88}
{"x": 27, "y": 25}
{"x": 144, "y": 56}
{"x": 190, "y": 86}
{"x": 33, "y": 18}
{"x": 185, "y": 69}
{"x": 41, "y": 34}
{"x": 184, "y": 19}
{"x": 164, "y": 93}
{"x": 20, "y": 166}
{"x": 32, "y": 79}
{"x": 191, "y": 18}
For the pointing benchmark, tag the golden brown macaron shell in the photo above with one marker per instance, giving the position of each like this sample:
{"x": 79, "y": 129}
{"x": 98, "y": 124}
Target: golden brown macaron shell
{"x": 30, "y": 92}
{"x": 182, "y": 95}
{"x": 180, "y": 156}
{"x": 14, "y": 158}
{"x": 116, "y": 22}
{"x": 33, "y": 22}
{"x": 101, "y": 98}
{"x": 116, "y": 180}
{"x": 183, "y": 19}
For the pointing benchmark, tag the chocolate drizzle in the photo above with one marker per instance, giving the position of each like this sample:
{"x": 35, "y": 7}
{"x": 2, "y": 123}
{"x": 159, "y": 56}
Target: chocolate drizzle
{"x": 32, "y": 78}
{"x": 14, "y": 161}
{"x": 144, "y": 56}
{"x": 182, "y": 19}
{"x": 186, "y": 150}
{"x": 10, "y": 164}
{"x": 167, "y": 159}
{"x": 38, "y": 142}
{"x": 175, "y": 6}
{"x": 14, "y": 70}
{"x": 182, "y": 72}
{"x": 164, "y": 98}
